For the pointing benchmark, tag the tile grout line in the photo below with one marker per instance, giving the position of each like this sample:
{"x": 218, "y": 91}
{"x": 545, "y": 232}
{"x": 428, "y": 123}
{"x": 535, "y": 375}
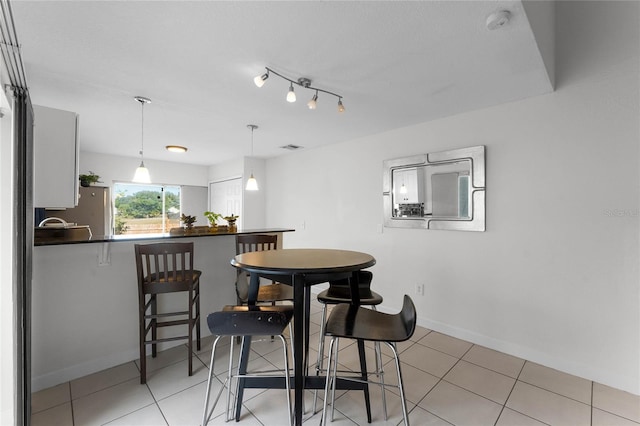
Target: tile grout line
{"x": 73, "y": 420}
{"x": 510, "y": 392}
{"x": 591, "y": 411}
{"x": 440, "y": 379}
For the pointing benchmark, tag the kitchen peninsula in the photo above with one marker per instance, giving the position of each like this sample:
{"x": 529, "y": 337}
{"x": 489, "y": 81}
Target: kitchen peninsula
{"x": 84, "y": 299}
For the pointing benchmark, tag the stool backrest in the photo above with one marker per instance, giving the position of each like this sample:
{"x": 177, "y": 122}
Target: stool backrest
{"x": 364, "y": 281}
{"x": 255, "y": 242}
{"x": 409, "y": 316}
{"x": 164, "y": 267}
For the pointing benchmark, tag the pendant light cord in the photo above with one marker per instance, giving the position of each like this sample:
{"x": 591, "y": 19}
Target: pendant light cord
{"x": 142, "y": 135}
{"x": 252, "y": 127}
{"x": 142, "y": 101}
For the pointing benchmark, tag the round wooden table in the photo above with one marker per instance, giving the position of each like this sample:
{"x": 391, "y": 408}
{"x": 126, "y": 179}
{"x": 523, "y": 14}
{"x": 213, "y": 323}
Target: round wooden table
{"x": 301, "y": 268}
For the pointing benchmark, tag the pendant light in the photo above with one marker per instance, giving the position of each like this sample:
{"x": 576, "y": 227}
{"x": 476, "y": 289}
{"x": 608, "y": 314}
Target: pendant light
{"x": 252, "y": 183}
{"x": 142, "y": 173}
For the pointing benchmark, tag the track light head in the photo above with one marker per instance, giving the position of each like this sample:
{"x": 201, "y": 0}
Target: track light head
{"x": 291, "y": 95}
{"x": 259, "y": 80}
{"x": 313, "y": 103}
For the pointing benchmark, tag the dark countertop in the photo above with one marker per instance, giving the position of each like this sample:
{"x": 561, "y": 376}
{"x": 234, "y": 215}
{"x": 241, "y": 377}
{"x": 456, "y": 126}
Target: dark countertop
{"x": 172, "y": 235}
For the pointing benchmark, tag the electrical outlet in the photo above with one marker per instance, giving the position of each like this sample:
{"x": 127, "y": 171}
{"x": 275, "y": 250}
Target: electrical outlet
{"x": 420, "y": 289}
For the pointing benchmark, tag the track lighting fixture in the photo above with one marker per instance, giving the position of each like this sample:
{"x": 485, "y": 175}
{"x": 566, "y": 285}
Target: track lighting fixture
{"x": 302, "y": 82}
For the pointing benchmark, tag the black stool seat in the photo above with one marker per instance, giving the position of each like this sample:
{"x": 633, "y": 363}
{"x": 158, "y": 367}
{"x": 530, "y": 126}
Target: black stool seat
{"x": 355, "y": 322}
{"x": 342, "y": 294}
{"x": 246, "y": 321}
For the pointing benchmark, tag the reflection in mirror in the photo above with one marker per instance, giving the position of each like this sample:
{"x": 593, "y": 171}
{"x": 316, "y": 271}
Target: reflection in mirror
{"x": 443, "y": 190}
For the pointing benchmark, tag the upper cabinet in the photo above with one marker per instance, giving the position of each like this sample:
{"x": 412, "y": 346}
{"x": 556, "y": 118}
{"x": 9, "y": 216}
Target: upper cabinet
{"x": 55, "y": 162}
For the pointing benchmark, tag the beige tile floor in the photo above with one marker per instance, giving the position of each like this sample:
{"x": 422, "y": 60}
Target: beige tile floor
{"x": 447, "y": 382}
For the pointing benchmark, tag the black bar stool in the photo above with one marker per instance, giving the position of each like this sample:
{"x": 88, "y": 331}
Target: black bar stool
{"x": 234, "y": 321}
{"x": 340, "y": 292}
{"x": 354, "y": 322}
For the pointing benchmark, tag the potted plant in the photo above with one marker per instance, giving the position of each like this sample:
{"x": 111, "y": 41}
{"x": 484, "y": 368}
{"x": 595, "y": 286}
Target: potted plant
{"x": 231, "y": 220}
{"x": 188, "y": 221}
{"x": 88, "y": 179}
{"x": 212, "y": 217}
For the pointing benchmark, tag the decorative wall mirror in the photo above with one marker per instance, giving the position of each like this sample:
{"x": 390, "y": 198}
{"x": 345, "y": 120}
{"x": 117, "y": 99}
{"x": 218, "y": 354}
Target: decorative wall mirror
{"x": 439, "y": 190}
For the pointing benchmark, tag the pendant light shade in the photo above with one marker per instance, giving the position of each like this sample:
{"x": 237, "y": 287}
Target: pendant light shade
{"x": 252, "y": 183}
{"x": 142, "y": 173}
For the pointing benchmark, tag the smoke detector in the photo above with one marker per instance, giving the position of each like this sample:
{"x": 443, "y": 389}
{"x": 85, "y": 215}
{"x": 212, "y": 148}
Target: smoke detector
{"x": 498, "y": 19}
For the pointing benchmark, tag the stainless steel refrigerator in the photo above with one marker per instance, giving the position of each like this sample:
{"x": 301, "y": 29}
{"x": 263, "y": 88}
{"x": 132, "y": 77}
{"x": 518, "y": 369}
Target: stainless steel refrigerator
{"x": 94, "y": 209}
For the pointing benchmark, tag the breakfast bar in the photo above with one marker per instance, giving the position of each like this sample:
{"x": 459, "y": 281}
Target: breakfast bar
{"x": 85, "y": 301}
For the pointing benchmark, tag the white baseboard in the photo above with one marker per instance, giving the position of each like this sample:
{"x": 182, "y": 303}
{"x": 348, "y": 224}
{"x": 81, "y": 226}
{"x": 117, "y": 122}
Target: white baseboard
{"x": 76, "y": 371}
{"x": 625, "y": 383}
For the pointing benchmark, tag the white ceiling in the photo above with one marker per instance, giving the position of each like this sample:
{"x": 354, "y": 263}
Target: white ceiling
{"x": 395, "y": 63}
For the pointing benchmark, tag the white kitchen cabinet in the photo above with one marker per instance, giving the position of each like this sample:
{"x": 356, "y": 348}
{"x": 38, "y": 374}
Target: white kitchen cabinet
{"x": 55, "y": 158}
{"x": 408, "y": 186}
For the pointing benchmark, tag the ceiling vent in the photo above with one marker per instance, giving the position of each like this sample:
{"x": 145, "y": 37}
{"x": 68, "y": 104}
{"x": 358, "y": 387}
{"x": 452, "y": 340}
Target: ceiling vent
{"x": 291, "y": 147}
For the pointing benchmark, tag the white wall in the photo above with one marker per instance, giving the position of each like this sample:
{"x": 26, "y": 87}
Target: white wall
{"x": 555, "y": 277}
{"x": 228, "y": 170}
{"x": 253, "y": 202}
{"x": 112, "y": 168}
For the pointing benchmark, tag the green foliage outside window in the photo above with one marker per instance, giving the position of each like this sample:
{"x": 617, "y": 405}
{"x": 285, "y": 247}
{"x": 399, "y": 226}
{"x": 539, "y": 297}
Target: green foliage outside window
{"x": 144, "y": 204}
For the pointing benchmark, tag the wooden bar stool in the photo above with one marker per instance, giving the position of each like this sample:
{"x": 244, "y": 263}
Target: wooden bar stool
{"x": 166, "y": 268}
{"x": 241, "y": 321}
{"x": 270, "y": 293}
{"x": 354, "y": 322}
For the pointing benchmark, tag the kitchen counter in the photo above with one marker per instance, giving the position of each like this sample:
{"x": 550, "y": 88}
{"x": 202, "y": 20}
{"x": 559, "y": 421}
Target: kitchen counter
{"x": 198, "y": 233}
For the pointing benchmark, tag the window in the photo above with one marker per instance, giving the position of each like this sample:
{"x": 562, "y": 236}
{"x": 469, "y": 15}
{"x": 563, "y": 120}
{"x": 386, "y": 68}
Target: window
{"x": 145, "y": 209}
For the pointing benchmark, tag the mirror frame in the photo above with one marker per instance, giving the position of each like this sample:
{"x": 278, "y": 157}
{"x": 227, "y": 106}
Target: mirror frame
{"x": 476, "y": 221}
